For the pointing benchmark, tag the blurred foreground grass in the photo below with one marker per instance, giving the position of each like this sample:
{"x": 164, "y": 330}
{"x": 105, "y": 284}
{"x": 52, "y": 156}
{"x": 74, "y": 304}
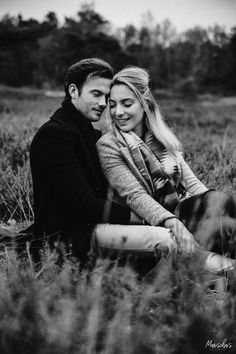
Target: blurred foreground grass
{"x": 58, "y": 309}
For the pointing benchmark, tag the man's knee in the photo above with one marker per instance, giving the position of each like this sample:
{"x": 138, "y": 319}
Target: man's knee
{"x": 219, "y": 203}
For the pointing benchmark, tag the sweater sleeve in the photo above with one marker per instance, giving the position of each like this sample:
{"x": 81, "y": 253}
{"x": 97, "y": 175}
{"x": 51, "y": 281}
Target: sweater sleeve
{"x": 127, "y": 185}
{"x": 190, "y": 181}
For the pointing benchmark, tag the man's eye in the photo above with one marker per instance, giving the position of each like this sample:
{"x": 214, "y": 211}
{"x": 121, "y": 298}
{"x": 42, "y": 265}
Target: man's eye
{"x": 96, "y": 94}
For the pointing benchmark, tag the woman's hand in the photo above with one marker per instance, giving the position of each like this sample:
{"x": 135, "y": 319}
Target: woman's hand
{"x": 183, "y": 237}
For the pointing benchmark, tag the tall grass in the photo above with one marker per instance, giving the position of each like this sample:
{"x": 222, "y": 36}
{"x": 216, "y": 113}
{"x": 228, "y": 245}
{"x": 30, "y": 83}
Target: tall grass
{"x": 108, "y": 310}
{"x": 20, "y": 117}
{"x": 56, "y": 308}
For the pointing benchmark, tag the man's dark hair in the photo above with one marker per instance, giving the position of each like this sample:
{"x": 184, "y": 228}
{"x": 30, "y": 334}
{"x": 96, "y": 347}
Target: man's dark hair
{"x": 84, "y": 70}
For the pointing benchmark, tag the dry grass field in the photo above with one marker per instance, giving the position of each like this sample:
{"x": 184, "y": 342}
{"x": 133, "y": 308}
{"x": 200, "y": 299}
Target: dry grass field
{"x": 109, "y": 310}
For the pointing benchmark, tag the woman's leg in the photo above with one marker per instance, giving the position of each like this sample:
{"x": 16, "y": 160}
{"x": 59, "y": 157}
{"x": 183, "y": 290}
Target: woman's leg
{"x": 147, "y": 243}
{"x": 139, "y": 240}
{"x": 142, "y": 245}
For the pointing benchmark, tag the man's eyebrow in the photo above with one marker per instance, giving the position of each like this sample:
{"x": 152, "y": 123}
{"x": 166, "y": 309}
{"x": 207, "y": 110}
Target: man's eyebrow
{"x": 96, "y": 90}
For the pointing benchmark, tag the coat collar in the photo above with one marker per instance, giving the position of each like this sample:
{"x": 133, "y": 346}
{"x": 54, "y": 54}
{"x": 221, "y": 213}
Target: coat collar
{"x": 74, "y": 122}
{"x": 71, "y": 119}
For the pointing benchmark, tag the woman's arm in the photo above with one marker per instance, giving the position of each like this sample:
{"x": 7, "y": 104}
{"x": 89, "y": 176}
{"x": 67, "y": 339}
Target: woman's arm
{"x": 190, "y": 181}
{"x": 127, "y": 185}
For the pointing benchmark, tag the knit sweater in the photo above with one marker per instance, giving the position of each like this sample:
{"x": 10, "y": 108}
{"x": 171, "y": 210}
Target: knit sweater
{"x": 127, "y": 181}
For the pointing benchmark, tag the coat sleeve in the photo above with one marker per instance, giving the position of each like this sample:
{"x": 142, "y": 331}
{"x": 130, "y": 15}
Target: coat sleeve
{"x": 127, "y": 185}
{"x": 190, "y": 181}
{"x": 56, "y": 155}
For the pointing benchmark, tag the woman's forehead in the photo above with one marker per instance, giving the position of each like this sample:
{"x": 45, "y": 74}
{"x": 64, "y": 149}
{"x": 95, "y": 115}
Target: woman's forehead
{"x": 121, "y": 91}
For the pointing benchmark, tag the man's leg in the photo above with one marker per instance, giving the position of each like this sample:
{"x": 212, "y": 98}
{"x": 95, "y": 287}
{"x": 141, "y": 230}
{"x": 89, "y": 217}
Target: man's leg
{"x": 218, "y": 234}
{"x": 211, "y": 217}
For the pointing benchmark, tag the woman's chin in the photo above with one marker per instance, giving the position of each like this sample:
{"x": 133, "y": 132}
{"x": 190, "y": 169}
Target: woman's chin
{"x": 124, "y": 129}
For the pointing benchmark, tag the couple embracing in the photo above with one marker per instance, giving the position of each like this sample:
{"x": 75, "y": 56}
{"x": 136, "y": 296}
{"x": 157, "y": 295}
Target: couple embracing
{"x": 129, "y": 189}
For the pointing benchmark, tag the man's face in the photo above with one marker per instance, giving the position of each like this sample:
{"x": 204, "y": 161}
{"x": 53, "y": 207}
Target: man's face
{"x": 92, "y": 99}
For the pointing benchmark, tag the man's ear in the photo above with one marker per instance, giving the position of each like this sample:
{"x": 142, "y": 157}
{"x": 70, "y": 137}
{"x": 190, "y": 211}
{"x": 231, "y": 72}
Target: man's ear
{"x": 73, "y": 91}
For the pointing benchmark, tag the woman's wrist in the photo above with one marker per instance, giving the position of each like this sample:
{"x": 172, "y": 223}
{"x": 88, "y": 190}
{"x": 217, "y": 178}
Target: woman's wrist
{"x": 170, "y": 222}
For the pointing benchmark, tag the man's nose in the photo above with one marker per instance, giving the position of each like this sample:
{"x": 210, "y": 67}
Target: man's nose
{"x": 102, "y": 102}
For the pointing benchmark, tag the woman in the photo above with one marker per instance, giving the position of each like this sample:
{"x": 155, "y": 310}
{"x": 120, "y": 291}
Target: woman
{"x": 142, "y": 160}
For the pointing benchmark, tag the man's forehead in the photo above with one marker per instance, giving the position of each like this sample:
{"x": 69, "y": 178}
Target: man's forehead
{"x": 98, "y": 83}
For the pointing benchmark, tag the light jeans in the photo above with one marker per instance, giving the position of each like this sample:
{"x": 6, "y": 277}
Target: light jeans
{"x": 141, "y": 240}
{"x": 150, "y": 242}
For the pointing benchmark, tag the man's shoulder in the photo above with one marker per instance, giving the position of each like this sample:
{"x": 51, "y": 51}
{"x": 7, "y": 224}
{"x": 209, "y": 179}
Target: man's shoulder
{"x": 50, "y": 133}
{"x": 98, "y": 133}
{"x": 51, "y": 125}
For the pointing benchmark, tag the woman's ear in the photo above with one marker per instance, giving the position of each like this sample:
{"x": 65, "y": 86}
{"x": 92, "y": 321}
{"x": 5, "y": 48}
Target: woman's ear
{"x": 73, "y": 91}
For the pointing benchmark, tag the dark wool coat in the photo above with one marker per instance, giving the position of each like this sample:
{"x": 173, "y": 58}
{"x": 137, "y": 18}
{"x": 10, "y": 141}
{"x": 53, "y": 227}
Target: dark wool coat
{"x": 68, "y": 183}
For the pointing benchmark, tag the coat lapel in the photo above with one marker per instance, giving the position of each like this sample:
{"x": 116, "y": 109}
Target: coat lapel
{"x": 128, "y": 158}
{"x": 75, "y": 123}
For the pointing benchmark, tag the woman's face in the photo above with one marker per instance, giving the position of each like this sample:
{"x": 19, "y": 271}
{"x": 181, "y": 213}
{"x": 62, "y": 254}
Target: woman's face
{"x": 126, "y": 110}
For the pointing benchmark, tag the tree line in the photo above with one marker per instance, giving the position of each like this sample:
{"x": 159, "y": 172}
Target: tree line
{"x": 38, "y": 53}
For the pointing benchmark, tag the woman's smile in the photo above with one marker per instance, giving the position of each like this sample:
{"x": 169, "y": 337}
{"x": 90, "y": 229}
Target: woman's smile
{"x": 122, "y": 120}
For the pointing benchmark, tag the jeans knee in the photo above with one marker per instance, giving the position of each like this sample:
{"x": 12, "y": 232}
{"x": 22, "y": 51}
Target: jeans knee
{"x": 172, "y": 245}
{"x": 164, "y": 239}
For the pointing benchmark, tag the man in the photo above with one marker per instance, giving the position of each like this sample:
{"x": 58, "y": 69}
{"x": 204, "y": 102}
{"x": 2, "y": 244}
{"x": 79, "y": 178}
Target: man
{"x": 70, "y": 190}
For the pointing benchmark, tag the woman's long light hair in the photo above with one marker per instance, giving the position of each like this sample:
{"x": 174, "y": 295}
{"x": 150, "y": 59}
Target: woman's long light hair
{"x": 137, "y": 79}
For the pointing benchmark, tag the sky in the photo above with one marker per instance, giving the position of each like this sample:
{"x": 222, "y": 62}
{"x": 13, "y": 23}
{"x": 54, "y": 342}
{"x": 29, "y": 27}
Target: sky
{"x": 183, "y": 14}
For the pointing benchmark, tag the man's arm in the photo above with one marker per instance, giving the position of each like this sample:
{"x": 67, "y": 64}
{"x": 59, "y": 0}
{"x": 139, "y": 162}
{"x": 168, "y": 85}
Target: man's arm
{"x": 54, "y": 152}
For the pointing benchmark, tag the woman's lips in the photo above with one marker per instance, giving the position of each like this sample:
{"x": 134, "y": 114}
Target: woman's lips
{"x": 122, "y": 120}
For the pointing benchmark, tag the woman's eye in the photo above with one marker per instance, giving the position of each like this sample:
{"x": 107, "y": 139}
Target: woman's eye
{"x": 128, "y": 104}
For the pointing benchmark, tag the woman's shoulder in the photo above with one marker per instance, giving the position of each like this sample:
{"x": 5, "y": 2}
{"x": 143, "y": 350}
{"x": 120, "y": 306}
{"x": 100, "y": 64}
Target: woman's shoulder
{"x": 108, "y": 139}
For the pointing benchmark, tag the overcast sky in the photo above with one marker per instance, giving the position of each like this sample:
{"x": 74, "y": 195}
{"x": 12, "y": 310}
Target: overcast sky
{"x": 182, "y": 13}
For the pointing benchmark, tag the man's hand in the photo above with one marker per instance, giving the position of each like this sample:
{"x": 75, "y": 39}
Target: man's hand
{"x": 183, "y": 237}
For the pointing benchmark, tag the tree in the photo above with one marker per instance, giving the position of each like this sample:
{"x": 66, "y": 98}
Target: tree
{"x": 18, "y": 43}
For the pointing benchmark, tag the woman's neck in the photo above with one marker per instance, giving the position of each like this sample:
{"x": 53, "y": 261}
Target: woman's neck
{"x": 139, "y": 129}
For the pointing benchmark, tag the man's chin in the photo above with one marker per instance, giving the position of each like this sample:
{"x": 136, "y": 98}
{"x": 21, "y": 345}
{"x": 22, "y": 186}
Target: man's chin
{"x": 93, "y": 117}
{"x": 96, "y": 117}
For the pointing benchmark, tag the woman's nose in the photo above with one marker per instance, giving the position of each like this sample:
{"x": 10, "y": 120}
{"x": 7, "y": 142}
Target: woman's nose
{"x": 119, "y": 111}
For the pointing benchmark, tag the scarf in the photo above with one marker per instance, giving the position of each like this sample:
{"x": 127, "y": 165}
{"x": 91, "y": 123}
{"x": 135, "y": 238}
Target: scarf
{"x": 161, "y": 170}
